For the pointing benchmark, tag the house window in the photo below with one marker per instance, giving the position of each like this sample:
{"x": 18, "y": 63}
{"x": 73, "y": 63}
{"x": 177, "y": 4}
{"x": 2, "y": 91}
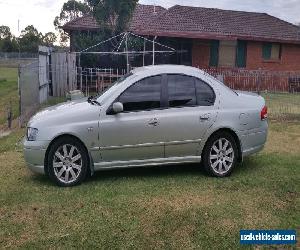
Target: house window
{"x": 228, "y": 53}
{"x": 271, "y": 51}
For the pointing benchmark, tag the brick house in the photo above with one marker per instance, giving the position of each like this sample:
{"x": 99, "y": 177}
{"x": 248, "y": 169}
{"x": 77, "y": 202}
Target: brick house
{"x": 213, "y": 38}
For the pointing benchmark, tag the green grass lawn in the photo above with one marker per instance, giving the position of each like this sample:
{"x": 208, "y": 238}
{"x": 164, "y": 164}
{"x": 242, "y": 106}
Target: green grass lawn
{"x": 8, "y": 93}
{"x": 283, "y": 105}
{"x": 162, "y": 207}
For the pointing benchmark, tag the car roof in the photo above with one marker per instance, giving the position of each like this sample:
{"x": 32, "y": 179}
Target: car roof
{"x": 168, "y": 68}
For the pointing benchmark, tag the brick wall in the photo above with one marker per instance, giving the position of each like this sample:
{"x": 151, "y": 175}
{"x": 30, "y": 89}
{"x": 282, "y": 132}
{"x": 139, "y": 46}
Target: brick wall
{"x": 200, "y": 53}
{"x": 290, "y": 57}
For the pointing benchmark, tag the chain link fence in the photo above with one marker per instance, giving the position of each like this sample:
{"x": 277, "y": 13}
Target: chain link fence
{"x": 28, "y": 90}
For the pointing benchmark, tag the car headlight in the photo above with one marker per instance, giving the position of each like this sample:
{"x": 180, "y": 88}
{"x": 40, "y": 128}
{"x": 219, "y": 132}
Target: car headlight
{"x": 32, "y": 134}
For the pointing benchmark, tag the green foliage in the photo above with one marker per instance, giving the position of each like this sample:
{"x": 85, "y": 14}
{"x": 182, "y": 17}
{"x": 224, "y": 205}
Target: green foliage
{"x": 30, "y": 39}
{"x": 8, "y": 42}
{"x": 113, "y": 15}
{"x": 5, "y": 32}
{"x": 70, "y": 10}
{"x": 8, "y": 93}
{"x": 49, "y": 39}
{"x": 83, "y": 40}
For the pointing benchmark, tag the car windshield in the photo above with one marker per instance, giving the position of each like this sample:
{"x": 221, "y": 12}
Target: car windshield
{"x": 101, "y": 97}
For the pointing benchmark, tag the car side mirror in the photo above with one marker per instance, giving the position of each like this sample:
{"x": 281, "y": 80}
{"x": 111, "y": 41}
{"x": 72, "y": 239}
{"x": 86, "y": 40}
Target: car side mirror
{"x": 118, "y": 107}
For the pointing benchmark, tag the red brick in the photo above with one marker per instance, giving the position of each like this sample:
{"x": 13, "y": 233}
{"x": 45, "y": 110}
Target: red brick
{"x": 289, "y": 61}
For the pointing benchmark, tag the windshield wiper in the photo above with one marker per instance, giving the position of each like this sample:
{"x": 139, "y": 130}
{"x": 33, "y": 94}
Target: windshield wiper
{"x": 92, "y": 100}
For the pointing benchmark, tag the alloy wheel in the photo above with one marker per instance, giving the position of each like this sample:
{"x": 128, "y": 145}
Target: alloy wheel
{"x": 221, "y": 156}
{"x": 67, "y": 163}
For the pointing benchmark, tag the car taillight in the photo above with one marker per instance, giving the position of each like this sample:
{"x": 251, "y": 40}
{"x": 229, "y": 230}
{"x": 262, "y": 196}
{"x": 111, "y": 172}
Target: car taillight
{"x": 264, "y": 113}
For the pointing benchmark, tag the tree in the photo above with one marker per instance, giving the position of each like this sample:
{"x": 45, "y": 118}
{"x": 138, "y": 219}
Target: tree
{"x": 5, "y": 32}
{"x": 70, "y": 10}
{"x": 113, "y": 15}
{"x": 49, "y": 39}
{"x": 30, "y": 39}
{"x": 9, "y": 45}
{"x": 8, "y": 42}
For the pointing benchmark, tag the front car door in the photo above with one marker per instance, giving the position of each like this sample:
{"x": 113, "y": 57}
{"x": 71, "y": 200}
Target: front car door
{"x": 135, "y": 133}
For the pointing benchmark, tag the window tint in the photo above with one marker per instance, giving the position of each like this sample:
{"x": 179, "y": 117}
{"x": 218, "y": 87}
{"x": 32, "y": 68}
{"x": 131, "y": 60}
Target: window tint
{"x": 143, "y": 95}
{"x": 205, "y": 94}
{"x": 181, "y": 91}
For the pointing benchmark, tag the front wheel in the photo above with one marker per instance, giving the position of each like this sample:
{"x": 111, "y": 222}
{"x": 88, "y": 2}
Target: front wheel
{"x": 67, "y": 162}
{"x": 220, "y": 154}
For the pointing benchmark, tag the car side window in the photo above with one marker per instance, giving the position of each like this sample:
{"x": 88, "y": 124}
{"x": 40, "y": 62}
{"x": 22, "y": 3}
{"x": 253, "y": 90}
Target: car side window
{"x": 205, "y": 94}
{"x": 143, "y": 95}
{"x": 182, "y": 92}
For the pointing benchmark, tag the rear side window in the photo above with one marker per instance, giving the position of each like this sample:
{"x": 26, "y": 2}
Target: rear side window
{"x": 205, "y": 94}
{"x": 187, "y": 91}
{"x": 181, "y": 91}
{"x": 143, "y": 95}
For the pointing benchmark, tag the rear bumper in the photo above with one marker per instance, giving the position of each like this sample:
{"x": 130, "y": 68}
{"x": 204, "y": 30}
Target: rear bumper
{"x": 34, "y": 154}
{"x": 254, "y": 141}
{"x": 253, "y": 150}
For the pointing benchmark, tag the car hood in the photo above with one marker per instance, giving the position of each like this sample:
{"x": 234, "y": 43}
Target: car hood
{"x": 64, "y": 113}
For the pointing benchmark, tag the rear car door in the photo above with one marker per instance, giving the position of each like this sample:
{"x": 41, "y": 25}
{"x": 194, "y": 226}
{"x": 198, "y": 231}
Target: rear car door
{"x": 191, "y": 111}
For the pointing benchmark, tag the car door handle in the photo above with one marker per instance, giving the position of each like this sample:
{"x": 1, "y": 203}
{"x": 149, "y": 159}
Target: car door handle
{"x": 153, "y": 122}
{"x": 204, "y": 117}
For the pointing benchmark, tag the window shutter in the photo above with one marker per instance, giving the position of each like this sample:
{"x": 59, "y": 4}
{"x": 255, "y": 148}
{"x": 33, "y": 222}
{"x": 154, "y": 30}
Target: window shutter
{"x": 241, "y": 54}
{"x": 214, "y": 53}
{"x": 266, "y": 51}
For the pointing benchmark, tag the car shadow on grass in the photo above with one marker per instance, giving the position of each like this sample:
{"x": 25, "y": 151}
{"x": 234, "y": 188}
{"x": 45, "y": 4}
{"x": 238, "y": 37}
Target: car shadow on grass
{"x": 150, "y": 171}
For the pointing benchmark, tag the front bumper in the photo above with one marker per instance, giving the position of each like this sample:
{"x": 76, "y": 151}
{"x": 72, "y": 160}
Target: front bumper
{"x": 34, "y": 154}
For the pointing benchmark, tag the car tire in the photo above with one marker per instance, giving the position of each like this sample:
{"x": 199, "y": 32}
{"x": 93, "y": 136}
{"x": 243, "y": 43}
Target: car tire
{"x": 67, "y": 162}
{"x": 220, "y": 154}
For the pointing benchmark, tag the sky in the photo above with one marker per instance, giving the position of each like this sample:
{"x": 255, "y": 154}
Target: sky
{"x": 41, "y": 13}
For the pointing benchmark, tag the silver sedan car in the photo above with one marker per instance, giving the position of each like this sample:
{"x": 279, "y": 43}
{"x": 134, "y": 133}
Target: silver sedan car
{"x": 155, "y": 115}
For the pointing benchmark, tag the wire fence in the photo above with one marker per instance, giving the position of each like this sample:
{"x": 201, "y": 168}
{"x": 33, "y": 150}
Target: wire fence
{"x": 281, "y": 90}
{"x": 17, "y": 55}
{"x": 97, "y": 80}
{"x": 28, "y": 91}
{"x": 258, "y": 80}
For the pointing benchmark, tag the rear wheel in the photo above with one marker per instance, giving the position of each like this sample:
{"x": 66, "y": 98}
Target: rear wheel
{"x": 220, "y": 154}
{"x": 67, "y": 162}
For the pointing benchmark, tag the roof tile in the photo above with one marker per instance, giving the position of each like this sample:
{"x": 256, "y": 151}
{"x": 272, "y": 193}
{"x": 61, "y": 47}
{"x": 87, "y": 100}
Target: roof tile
{"x": 198, "y": 22}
